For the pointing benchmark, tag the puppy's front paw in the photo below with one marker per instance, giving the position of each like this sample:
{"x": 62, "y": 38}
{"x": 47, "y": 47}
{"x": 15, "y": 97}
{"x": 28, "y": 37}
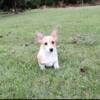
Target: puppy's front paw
{"x": 56, "y": 65}
{"x": 42, "y": 67}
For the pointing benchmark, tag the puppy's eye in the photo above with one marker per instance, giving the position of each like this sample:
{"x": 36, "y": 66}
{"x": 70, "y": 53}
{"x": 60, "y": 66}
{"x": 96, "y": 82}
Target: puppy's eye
{"x": 52, "y": 42}
{"x": 45, "y": 43}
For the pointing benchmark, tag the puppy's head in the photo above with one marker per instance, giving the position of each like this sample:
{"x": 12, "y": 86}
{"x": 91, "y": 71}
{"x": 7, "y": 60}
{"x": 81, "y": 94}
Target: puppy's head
{"x": 48, "y": 42}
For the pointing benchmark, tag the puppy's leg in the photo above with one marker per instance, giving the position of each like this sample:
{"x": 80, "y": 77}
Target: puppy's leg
{"x": 42, "y": 67}
{"x": 56, "y": 65}
{"x": 40, "y": 60}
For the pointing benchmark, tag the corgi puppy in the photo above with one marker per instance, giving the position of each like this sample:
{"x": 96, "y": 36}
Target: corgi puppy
{"x": 47, "y": 55}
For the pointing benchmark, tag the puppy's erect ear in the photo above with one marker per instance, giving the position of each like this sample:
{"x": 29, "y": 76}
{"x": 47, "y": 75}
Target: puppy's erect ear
{"x": 54, "y": 34}
{"x": 40, "y": 37}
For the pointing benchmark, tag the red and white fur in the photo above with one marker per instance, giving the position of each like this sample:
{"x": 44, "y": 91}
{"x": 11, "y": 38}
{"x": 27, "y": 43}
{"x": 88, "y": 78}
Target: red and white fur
{"x": 47, "y": 55}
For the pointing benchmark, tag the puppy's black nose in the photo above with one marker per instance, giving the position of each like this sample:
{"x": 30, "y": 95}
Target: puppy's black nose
{"x": 51, "y": 49}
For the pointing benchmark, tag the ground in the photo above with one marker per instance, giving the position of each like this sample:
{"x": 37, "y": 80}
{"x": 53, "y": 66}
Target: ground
{"x": 78, "y": 49}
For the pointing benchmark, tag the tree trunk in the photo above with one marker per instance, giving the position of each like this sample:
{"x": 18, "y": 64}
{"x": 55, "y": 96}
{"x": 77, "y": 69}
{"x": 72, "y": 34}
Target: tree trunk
{"x": 8, "y": 4}
{"x": 82, "y": 2}
{"x": 14, "y": 5}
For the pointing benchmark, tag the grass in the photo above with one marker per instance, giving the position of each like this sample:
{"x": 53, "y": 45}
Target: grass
{"x": 78, "y": 50}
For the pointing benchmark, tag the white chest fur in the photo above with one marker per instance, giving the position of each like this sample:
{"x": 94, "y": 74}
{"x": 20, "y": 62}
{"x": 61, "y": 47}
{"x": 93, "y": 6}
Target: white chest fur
{"x": 49, "y": 59}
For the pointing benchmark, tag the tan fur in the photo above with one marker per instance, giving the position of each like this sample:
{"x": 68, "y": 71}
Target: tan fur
{"x": 39, "y": 57}
{"x": 50, "y": 38}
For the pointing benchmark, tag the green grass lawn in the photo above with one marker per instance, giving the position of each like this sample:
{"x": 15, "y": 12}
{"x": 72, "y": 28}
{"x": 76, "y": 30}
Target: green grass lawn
{"x": 78, "y": 50}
